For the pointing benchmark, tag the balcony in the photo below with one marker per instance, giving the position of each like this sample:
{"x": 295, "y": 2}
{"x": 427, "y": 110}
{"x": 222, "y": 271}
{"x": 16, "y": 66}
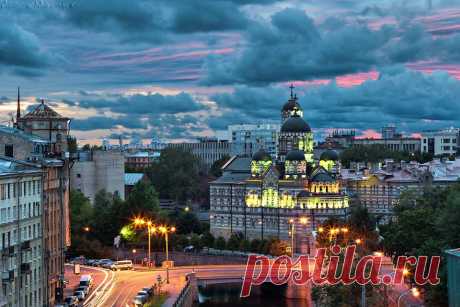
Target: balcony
{"x": 25, "y": 268}
{"x": 8, "y": 276}
{"x": 8, "y": 251}
{"x": 25, "y": 246}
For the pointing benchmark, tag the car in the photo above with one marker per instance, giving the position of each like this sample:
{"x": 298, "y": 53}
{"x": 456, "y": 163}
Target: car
{"x": 100, "y": 262}
{"x": 90, "y": 262}
{"x": 85, "y": 289}
{"x": 71, "y": 301}
{"x": 107, "y": 264}
{"x": 86, "y": 281}
{"x": 122, "y": 265}
{"x": 139, "y": 300}
{"x": 143, "y": 292}
{"x": 149, "y": 290}
{"x": 80, "y": 295}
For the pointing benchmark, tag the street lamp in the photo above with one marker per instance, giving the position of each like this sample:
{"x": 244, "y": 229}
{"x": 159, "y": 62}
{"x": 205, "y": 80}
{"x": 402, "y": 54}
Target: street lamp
{"x": 165, "y": 230}
{"x": 86, "y": 229}
{"x": 414, "y": 291}
{"x": 150, "y": 229}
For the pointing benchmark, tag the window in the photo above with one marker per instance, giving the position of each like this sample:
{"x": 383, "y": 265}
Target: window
{"x": 446, "y": 148}
{"x": 9, "y": 152}
{"x": 446, "y": 141}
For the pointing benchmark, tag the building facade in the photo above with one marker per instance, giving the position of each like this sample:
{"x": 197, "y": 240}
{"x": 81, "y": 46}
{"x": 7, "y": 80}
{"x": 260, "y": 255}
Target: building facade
{"x": 207, "y": 150}
{"x": 379, "y": 188}
{"x": 98, "y": 170}
{"x": 247, "y": 139}
{"x": 262, "y": 197}
{"x": 21, "y": 223}
{"x": 42, "y": 137}
{"x": 441, "y": 143}
{"x": 141, "y": 160}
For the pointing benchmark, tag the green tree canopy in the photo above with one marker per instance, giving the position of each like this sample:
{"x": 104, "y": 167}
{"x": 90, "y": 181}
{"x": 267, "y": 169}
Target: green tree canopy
{"x": 176, "y": 174}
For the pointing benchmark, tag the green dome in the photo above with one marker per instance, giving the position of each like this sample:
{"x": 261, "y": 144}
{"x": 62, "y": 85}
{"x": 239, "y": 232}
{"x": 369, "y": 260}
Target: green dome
{"x": 295, "y": 124}
{"x": 322, "y": 177}
{"x": 295, "y": 155}
{"x": 329, "y": 155}
{"x": 261, "y": 155}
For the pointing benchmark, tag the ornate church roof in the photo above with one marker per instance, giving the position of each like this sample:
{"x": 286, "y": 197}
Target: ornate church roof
{"x": 261, "y": 155}
{"x": 329, "y": 154}
{"x": 295, "y": 124}
{"x": 295, "y": 155}
{"x": 42, "y": 111}
{"x": 292, "y": 104}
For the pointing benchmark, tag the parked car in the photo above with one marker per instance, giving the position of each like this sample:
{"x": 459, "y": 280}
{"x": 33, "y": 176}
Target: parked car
{"x": 149, "y": 290}
{"x": 80, "y": 295}
{"x": 122, "y": 265}
{"x": 71, "y": 301}
{"x": 90, "y": 262}
{"x": 85, "y": 289}
{"x": 86, "y": 281}
{"x": 139, "y": 300}
{"x": 100, "y": 262}
{"x": 107, "y": 264}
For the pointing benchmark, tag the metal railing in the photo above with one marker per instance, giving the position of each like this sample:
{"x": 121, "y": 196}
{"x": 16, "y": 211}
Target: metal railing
{"x": 183, "y": 295}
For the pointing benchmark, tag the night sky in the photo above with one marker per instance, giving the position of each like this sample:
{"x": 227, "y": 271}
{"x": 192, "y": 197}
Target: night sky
{"x": 181, "y": 69}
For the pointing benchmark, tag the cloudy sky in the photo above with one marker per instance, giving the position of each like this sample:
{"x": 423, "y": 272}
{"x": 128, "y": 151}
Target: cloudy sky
{"x": 181, "y": 69}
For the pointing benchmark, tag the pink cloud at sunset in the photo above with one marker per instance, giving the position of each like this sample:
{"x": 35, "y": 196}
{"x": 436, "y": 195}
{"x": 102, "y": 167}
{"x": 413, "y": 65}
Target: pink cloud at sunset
{"x": 369, "y": 134}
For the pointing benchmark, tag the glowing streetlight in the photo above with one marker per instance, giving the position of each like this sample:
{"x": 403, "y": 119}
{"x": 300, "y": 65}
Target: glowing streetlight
{"x": 405, "y": 272}
{"x": 344, "y": 229}
{"x": 414, "y": 291}
{"x": 320, "y": 229}
{"x": 150, "y": 229}
{"x": 304, "y": 220}
{"x": 86, "y": 229}
{"x": 187, "y": 209}
{"x": 358, "y": 241}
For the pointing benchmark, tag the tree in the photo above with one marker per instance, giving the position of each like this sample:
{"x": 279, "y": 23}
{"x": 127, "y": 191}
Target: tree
{"x": 255, "y": 245}
{"x": 216, "y": 167}
{"x": 142, "y": 201}
{"x": 220, "y": 243}
{"x": 234, "y": 241}
{"x": 186, "y": 222}
{"x": 277, "y": 247}
{"x": 195, "y": 240}
{"x": 207, "y": 239}
{"x": 107, "y": 222}
{"x": 245, "y": 245}
{"x": 176, "y": 174}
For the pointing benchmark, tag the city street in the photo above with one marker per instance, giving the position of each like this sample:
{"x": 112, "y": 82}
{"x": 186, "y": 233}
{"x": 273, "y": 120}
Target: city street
{"x": 128, "y": 283}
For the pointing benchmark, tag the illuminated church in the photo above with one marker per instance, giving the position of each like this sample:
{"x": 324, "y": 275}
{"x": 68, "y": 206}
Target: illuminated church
{"x": 261, "y": 197}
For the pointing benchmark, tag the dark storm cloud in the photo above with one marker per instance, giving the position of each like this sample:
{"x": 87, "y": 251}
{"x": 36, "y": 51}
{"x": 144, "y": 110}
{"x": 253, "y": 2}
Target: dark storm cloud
{"x": 103, "y": 122}
{"x": 293, "y": 47}
{"x": 146, "y": 104}
{"x": 21, "y": 51}
{"x": 401, "y": 96}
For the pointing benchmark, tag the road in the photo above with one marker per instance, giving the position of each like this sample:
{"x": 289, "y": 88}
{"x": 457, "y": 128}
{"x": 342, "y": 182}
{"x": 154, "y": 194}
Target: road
{"x": 103, "y": 279}
{"x": 128, "y": 283}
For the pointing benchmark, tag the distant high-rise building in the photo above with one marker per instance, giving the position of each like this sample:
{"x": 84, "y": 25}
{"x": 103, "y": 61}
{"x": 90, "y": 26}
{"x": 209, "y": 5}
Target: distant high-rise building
{"x": 247, "y": 139}
{"x": 441, "y": 142}
{"x": 389, "y": 132}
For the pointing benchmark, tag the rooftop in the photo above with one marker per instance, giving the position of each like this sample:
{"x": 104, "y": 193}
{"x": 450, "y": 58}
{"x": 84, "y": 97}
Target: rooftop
{"x": 133, "y": 178}
{"x": 42, "y": 111}
{"x": 19, "y": 133}
{"x": 9, "y": 166}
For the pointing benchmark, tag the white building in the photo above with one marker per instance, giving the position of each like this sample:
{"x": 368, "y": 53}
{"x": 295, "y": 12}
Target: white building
{"x": 21, "y": 234}
{"x": 441, "y": 142}
{"x": 247, "y": 139}
{"x": 99, "y": 170}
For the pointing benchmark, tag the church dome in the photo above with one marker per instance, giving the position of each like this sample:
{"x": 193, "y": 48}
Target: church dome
{"x": 295, "y": 124}
{"x": 295, "y": 155}
{"x": 261, "y": 155}
{"x": 329, "y": 155}
{"x": 291, "y": 105}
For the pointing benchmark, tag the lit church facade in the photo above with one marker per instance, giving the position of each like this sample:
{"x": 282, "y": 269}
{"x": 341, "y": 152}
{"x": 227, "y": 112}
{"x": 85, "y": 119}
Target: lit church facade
{"x": 261, "y": 197}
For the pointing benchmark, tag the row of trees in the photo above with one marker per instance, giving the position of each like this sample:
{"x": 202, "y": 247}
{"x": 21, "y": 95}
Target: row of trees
{"x": 94, "y": 227}
{"x": 427, "y": 225}
{"x": 378, "y": 153}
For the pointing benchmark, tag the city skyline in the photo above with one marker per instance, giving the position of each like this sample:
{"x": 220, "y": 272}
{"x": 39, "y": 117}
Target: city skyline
{"x": 179, "y": 71}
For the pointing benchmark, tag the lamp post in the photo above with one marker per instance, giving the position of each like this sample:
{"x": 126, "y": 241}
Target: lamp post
{"x": 166, "y": 230}
{"x": 414, "y": 291}
{"x": 150, "y": 229}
